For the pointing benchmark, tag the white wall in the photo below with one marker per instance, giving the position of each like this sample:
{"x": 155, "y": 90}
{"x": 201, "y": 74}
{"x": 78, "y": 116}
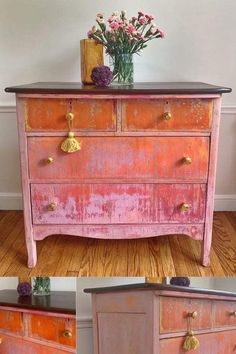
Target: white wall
{"x": 39, "y": 41}
{"x": 57, "y": 283}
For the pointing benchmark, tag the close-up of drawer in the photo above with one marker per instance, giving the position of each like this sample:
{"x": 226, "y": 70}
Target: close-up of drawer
{"x": 51, "y": 114}
{"x": 117, "y": 203}
{"x": 224, "y": 313}
{"x": 11, "y": 321}
{"x": 187, "y": 114}
{"x": 10, "y": 345}
{"x": 210, "y": 343}
{"x": 176, "y": 314}
{"x": 171, "y": 158}
{"x": 55, "y": 329}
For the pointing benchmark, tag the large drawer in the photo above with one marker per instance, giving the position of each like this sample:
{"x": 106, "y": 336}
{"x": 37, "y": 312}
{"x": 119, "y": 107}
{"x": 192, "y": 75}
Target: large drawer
{"x": 210, "y": 343}
{"x": 53, "y": 329}
{"x": 187, "y": 114}
{"x": 162, "y": 158}
{"x": 48, "y": 114}
{"x": 117, "y": 203}
{"x": 224, "y": 313}
{"x": 14, "y": 345}
{"x": 11, "y": 321}
{"x": 175, "y": 314}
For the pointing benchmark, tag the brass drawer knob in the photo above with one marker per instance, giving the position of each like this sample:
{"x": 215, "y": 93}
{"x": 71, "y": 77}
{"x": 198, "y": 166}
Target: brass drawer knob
{"x": 187, "y": 160}
{"x": 185, "y": 207}
{"x": 167, "y": 116}
{"x": 193, "y": 314}
{"x": 67, "y": 334}
{"x": 50, "y": 160}
{"x": 52, "y": 206}
{"x": 70, "y": 116}
{"x": 233, "y": 314}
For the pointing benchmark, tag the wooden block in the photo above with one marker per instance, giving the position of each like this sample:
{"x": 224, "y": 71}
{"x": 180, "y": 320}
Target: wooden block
{"x": 91, "y": 56}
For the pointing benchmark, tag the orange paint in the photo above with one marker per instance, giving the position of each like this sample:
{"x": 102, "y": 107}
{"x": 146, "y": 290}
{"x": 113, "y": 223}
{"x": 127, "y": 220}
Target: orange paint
{"x": 50, "y": 114}
{"x": 52, "y": 329}
{"x": 11, "y": 321}
{"x": 186, "y": 114}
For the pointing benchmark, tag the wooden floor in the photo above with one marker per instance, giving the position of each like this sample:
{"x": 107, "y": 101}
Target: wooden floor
{"x": 153, "y": 257}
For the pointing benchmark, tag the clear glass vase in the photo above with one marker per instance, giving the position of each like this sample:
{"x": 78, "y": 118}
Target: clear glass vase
{"x": 122, "y": 67}
{"x": 41, "y": 286}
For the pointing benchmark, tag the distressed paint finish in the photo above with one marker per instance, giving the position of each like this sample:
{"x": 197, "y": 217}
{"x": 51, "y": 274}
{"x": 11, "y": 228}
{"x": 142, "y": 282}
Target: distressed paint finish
{"x": 174, "y": 314}
{"x": 212, "y": 343}
{"x": 141, "y": 312}
{"x": 194, "y": 117}
{"x": 187, "y": 114}
{"x": 50, "y": 114}
{"x": 224, "y": 313}
{"x": 121, "y": 157}
{"x": 11, "y": 321}
{"x": 14, "y": 345}
{"x": 117, "y": 203}
{"x": 51, "y": 329}
{"x": 119, "y": 231}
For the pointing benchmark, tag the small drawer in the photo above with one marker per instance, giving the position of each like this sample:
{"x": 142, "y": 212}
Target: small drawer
{"x": 210, "y": 343}
{"x": 49, "y": 114}
{"x": 11, "y": 321}
{"x": 56, "y": 329}
{"x": 159, "y": 158}
{"x": 175, "y": 314}
{"x": 224, "y": 313}
{"x": 117, "y": 203}
{"x": 167, "y": 115}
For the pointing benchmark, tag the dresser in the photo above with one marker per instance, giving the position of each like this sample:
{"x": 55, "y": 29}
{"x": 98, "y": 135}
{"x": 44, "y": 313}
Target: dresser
{"x": 154, "y": 319}
{"x": 145, "y": 162}
{"x": 37, "y": 324}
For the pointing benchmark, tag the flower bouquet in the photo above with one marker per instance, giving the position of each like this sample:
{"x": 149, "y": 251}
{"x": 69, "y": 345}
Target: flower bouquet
{"x": 123, "y": 37}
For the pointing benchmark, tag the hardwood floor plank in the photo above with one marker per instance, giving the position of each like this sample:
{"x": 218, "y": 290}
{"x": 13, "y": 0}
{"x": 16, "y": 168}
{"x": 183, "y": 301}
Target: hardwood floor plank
{"x": 151, "y": 257}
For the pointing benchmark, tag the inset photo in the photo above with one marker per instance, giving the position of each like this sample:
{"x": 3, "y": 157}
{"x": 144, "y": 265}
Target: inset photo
{"x": 156, "y": 316}
{"x": 37, "y": 315}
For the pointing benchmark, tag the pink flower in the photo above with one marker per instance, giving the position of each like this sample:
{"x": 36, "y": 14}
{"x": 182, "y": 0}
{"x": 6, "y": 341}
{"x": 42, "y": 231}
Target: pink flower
{"x": 149, "y": 17}
{"x": 100, "y": 19}
{"x": 114, "y": 25}
{"x": 131, "y": 29}
{"x": 162, "y": 34}
{"x": 100, "y": 15}
{"x": 153, "y": 30}
{"x": 143, "y": 20}
{"x": 140, "y": 13}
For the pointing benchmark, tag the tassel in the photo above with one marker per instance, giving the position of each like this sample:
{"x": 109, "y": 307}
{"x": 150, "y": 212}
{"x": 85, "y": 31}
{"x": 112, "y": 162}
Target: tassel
{"x": 191, "y": 342}
{"x": 71, "y": 144}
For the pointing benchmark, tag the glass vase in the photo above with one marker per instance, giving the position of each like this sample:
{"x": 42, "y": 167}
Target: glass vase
{"x": 41, "y": 286}
{"x": 123, "y": 69}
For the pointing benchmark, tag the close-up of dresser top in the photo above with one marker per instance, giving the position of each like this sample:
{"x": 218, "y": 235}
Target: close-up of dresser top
{"x": 145, "y": 162}
{"x": 156, "y": 319}
{"x": 37, "y": 324}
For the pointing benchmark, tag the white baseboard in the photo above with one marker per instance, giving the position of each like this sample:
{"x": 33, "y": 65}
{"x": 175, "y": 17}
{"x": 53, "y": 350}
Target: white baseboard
{"x": 13, "y": 201}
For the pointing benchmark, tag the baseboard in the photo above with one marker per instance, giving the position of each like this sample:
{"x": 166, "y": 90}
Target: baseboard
{"x": 84, "y": 322}
{"x": 13, "y": 201}
{"x": 225, "y": 202}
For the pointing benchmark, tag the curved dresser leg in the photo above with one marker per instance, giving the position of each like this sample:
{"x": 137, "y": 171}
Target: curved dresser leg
{"x": 31, "y": 248}
{"x": 206, "y": 244}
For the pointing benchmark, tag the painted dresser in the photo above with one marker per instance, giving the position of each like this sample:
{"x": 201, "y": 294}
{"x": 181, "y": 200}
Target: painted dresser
{"x": 37, "y": 324}
{"x": 154, "y": 319}
{"x": 145, "y": 164}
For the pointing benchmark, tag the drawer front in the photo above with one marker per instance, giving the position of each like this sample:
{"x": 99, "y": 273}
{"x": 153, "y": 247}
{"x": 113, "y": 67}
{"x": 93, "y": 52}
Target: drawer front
{"x": 211, "y": 343}
{"x": 117, "y": 203}
{"x": 89, "y": 114}
{"x": 225, "y": 313}
{"x": 52, "y": 329}
{"x": 11, "y": 321}
{"x": 13, "y": 345}
{"x": 121, "y": 157}
{"x": 174, "y": 314}
{"x": 150, "y": 115}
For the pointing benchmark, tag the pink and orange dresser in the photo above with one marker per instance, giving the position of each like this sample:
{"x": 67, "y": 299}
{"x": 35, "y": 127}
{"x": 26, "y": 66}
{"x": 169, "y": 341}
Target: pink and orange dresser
{"x": 155, "y": 319}
{"x": 37, "y": 324}
{"x": 145, "y": 165}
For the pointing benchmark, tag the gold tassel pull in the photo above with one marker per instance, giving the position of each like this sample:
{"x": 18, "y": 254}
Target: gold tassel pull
{"x": 191, "y": 342}
{"x": 71, "y": 144}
